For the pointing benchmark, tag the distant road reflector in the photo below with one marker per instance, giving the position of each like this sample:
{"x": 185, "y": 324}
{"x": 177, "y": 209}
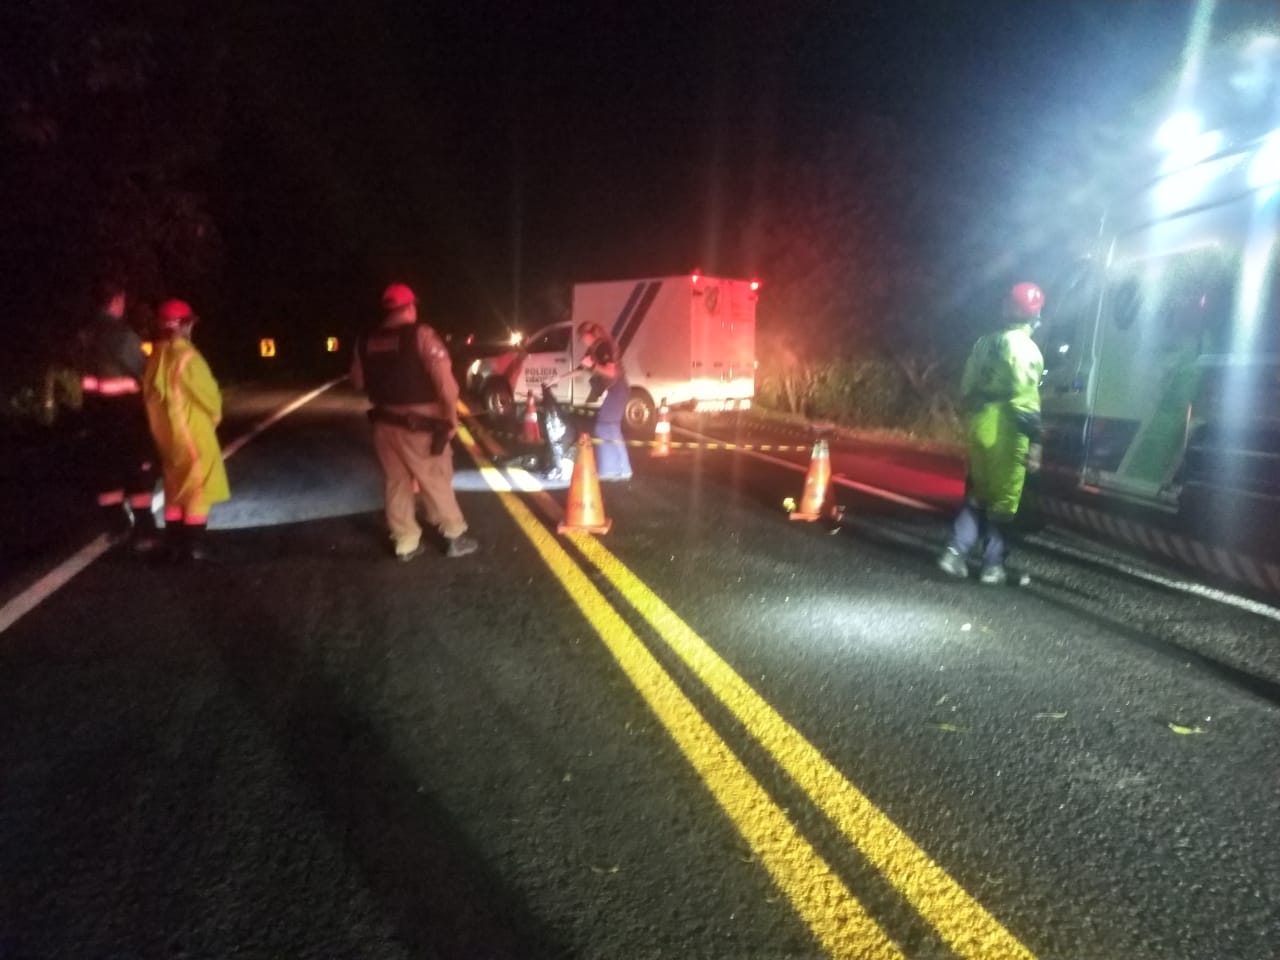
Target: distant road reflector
{"x": 267, "y": 347}
{"x": 331, "y": 344}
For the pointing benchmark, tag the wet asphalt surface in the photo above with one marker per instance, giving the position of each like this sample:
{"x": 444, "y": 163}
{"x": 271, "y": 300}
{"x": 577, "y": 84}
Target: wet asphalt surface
{"x": 305, "y": 749}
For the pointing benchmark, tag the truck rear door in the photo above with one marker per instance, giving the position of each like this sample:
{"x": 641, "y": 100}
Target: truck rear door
{"x": 723, "y": 334}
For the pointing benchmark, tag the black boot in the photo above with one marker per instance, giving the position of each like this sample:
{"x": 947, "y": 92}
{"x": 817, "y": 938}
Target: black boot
{"x": 175, "y": 542}
{"x": 145, "y": 538}
{"x": 197, "y": 535}
{"x": 116, "y": 520}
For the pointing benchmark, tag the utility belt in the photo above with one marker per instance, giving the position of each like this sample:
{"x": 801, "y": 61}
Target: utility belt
{"x": 416, "y": 423}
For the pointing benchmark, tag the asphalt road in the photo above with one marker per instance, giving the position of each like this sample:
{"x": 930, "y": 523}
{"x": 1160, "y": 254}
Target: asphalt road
{"x": 713, "y": 732}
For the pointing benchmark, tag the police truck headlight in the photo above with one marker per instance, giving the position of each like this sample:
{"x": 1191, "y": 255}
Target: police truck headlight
{"x": 1264, "y": 170}
{"x": 1178, "y": 131}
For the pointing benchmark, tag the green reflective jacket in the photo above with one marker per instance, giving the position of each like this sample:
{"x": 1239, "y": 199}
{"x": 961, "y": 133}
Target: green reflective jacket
{"x": 1001, "y": 392}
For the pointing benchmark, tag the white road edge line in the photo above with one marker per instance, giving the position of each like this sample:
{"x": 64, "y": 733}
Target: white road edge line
{"x": 57, "y": 578}
{"x": 1182, "y": 586}
{"x": 53, "y": 581}
{"x": 234, "y": 446}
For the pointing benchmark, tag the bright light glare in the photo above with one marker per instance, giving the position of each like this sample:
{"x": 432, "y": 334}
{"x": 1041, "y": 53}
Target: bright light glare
{"x": 1265, "y": 169}
{"x": 516, "y": 338}
{"x": 1185, "y": 178}
{"x": 755, "y": 284}
{"x": 1178, "y": 131}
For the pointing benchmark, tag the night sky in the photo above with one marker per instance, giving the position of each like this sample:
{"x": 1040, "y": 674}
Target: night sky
{"x": 493, "y": 153}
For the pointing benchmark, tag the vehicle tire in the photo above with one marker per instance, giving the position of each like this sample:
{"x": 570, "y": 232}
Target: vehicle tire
{"x": 497, "y": 398}
{"x": 640, "y": 413}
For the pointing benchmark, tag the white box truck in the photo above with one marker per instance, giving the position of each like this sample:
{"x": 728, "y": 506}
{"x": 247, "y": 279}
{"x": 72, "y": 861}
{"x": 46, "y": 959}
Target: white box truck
{"x": 689, "y": 340}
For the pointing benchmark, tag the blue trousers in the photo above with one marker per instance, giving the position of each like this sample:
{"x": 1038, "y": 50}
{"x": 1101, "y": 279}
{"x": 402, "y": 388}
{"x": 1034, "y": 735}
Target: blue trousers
{"x": 974, "y": 523}
{"x": 612, "y": 460}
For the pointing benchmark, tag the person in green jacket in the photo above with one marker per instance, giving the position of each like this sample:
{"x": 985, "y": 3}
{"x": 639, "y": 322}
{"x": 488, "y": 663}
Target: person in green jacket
{"x": 184, "y": 406}
{"x": 1001, "y": 395}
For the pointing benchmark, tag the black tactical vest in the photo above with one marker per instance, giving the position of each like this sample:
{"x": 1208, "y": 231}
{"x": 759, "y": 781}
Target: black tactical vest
{"x": 393, "y": 369}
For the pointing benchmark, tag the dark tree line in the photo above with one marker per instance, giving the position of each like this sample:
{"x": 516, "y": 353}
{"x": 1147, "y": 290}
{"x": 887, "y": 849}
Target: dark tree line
{"x": 112, "y": 123}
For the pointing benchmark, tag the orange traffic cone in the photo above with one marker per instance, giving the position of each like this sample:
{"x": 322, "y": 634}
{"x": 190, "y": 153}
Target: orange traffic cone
{"x": 662, "y": 431}
{"x": 585, "y": 511}
{"x": 816, "y": 500}
{"x": 532, "y": 432}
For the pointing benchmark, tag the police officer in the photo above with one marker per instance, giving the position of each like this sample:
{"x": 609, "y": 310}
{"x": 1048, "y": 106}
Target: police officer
{"x": 123, "y": 458}
{"x": 1001, "y": 394}
{"x": 404, "y": 367}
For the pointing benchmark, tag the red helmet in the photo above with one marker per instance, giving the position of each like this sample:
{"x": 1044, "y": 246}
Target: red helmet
{"x": 397, "y": 296}
{"x": 174, "y": 313}
{"x": 1026, "y": 300}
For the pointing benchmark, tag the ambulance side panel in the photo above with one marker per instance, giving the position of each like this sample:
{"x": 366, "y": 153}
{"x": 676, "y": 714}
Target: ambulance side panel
{"x": 649, "y": 319}
{"x": 680, "y": 341}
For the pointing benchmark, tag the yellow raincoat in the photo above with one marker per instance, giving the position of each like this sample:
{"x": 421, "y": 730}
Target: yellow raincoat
{"x": 1001, "y": 390}
{"x": 184, "y": 406}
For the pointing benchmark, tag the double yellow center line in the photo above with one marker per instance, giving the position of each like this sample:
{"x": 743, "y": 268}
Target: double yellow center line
{"x": 835, "y": 916}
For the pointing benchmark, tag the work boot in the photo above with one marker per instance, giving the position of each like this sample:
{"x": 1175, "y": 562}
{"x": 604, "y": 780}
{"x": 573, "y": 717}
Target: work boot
{"x": 952, "y": 564}
{"x": 408, "y": 555}
{"x": 994, "y": 575}
{"x": 145, "y": 539}
{"x": 174, "y": 544}
{"x": 197, "y": 537}
{"x": 117, "y": 521}
{"x": 461, "y": 545}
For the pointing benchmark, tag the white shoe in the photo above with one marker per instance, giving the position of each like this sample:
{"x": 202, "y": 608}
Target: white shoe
{"x": 952, "y": 564}
{"x": 461, "y": 545}
{"x": 993, "y": 576}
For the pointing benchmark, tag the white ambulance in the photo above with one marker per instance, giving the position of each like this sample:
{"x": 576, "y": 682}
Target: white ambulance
{"x": 689, "y": 340}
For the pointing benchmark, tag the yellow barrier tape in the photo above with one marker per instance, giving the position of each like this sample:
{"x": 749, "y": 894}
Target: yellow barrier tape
{"x": 683, "y": 444}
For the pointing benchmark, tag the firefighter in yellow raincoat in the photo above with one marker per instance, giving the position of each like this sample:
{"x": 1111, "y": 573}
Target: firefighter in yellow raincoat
{"x": 184, "y": 407}
{"x": 1001, "y": 393}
